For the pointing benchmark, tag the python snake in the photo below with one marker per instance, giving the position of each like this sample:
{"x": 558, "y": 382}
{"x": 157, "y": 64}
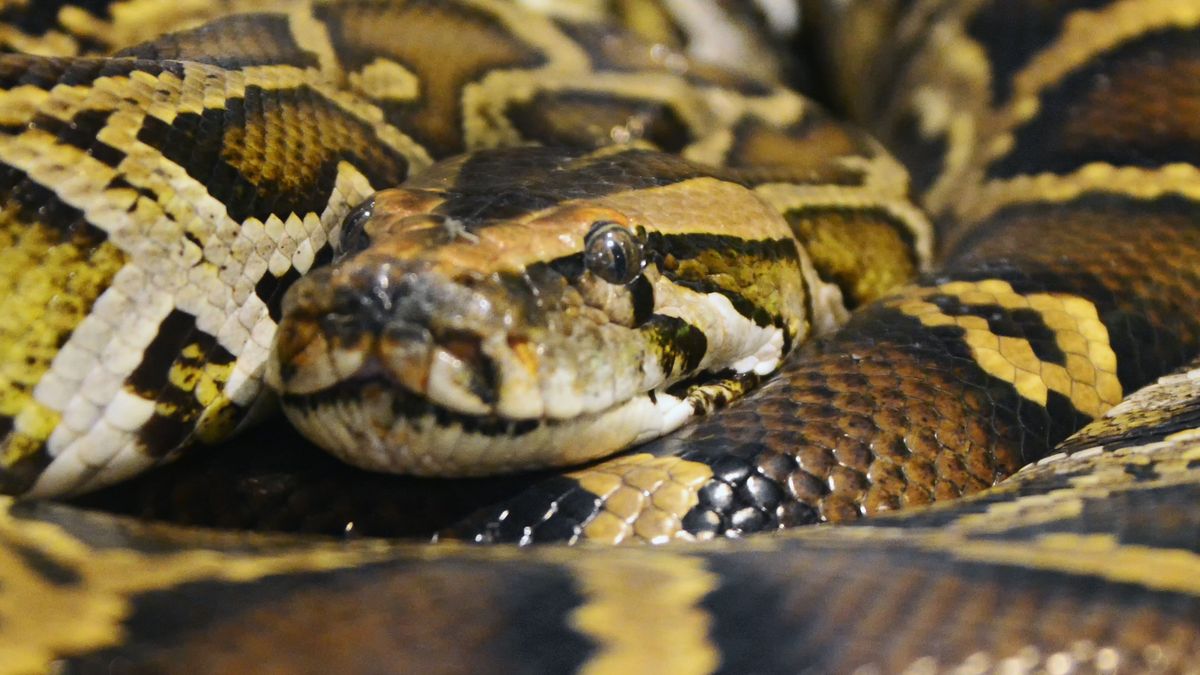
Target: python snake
{"x": 159, "y": 202}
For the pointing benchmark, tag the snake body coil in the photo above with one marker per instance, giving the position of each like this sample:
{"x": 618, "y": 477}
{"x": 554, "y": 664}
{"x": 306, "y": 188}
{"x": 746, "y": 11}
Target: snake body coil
{"x": 681, "y": 229}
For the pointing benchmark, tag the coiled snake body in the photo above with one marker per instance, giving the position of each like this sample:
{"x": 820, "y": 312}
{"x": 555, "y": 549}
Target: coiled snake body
{"x": 680, "y": 228}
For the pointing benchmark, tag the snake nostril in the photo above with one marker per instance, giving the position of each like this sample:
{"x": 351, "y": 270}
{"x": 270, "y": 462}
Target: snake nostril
{"x": 463, "y": 345}
{"x": 342, "y": 328}
{"x": 467, "y": 347}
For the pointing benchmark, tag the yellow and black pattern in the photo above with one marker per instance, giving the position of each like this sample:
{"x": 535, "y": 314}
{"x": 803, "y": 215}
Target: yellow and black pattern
{"x": 1053, "y": 146}
{"x": 198, "y": 174}
{"x": 194, "y": 267}
{"x": 1051, "y": 303}
{"x": 1087, "y": 562}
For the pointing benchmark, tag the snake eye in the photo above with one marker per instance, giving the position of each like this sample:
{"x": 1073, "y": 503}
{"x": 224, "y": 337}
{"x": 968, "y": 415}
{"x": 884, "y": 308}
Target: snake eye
{"x": 353, "y": 237}
{"x": 612, "y": 253}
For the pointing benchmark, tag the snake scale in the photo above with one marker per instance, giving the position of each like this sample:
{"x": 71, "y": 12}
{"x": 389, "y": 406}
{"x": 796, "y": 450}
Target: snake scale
{"x": 678, "y": 229}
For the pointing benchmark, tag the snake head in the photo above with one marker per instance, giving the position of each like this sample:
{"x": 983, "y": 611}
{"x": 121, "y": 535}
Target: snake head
{"x": 494, "y": 316}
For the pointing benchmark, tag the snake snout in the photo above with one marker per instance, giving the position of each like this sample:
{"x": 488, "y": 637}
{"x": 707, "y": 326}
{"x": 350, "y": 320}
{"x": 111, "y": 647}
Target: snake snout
{"x": 402, "y": 325}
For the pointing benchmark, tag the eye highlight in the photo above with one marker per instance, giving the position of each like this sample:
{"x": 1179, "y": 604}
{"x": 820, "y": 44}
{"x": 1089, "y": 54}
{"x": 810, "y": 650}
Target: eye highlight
{"x": 353, "y": 237}
{"x": 612, "y": 253}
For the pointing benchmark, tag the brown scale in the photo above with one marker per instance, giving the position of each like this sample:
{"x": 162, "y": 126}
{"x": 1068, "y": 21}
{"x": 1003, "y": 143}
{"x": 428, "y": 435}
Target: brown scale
{"x": 322, "y": 616}
{"x": 585, "y": 119}
{"x": 1140, "y": 85}
{"x": 799, "y": 153}
{"x": 236, "y": 41}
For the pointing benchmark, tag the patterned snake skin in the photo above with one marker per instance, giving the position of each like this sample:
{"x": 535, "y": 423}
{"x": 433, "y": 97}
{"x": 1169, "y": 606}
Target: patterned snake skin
{"x": 158, "y": 204}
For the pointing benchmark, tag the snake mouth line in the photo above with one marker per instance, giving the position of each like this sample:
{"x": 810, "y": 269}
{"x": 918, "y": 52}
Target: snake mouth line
{"x": 409, "y": 405}
{"x": 371, "y": 423}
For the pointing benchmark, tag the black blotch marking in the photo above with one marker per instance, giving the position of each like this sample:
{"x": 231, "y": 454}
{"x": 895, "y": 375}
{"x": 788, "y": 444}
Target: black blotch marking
{"x": 570, "y": 267}
{"x": 495, "y": 185}
{"x": 220, "y": 42}
{"x": 39, "y": 562}
{"x": 270, "y": 290}
{"x": 323, "y": 257}
{"x": 19, "y": 476}
{"x": 81, "y": 132}
{"x": 196, "y": 142}
{"x": 1063, "y": 418}
{"x": 642, "y": 294}
{"x": 37, "y": 204}
{"x": 1142, "y": 472}
{"x": 38, "y": 18}
{"x": 174, "y": 333}
{"x": 924, "y": 156}
{"x": 118, "y": 182}
{"x": 1025, "y": 324}
{"x": 162, "y": 433}
{"x": 1041, "y": 145}
{"x": 683, "y": 345}
{"x": 736, "y": 252}
{"x": 547, "y": 598}
{"x": 541, "y": 118}
{"x": 1013, "y": 32}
